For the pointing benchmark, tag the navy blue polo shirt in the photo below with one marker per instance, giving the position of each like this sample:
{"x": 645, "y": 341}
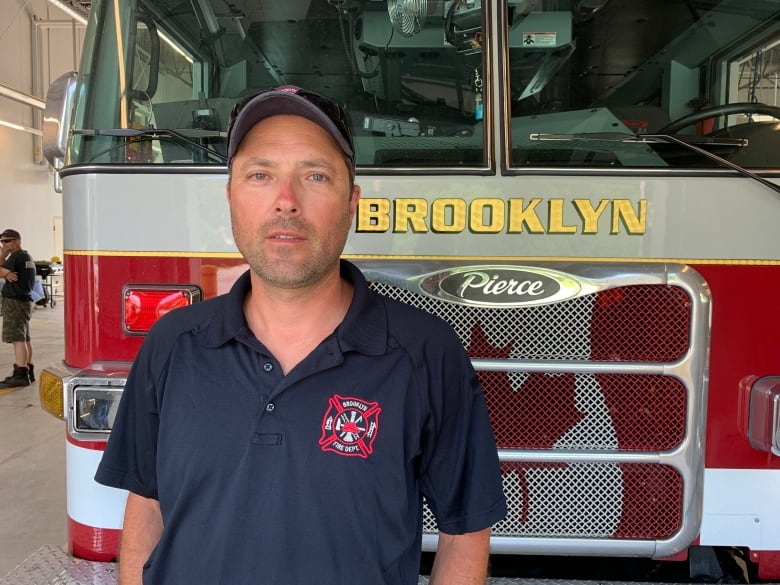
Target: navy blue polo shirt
{"x": 316, "y": 476}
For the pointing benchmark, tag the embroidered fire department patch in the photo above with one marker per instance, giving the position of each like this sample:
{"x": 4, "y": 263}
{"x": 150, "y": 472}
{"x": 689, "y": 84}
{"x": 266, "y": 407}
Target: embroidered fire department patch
{"x": 350, "y": 426}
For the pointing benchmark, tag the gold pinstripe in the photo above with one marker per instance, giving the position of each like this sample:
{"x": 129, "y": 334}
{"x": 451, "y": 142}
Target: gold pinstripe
{"x": 232, "y": 255}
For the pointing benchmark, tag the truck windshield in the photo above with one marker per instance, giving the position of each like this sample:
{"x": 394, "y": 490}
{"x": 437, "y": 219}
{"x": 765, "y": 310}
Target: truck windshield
{"x": 449, "y": 84}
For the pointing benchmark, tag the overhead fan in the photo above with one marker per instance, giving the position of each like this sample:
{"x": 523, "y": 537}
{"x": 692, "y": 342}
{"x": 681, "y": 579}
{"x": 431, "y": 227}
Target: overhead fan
{"x": 408, "y": 16}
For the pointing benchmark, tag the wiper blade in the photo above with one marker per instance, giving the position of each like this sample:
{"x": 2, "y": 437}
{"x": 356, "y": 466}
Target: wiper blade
{"x": 640, "y": 138}
{"x": 585, "y": 136}
{"x": 718, "y": 159}
{"x": 184, "y": 136}
{"x": 692, "y": 143}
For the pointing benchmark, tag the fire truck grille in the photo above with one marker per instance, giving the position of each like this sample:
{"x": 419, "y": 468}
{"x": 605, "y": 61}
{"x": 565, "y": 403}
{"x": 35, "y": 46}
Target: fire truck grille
{"x": 630, "y": 323}
{"x": 588, "y": 500}
{"x": 598, "y": 393}
{"x": 585, "y": 411}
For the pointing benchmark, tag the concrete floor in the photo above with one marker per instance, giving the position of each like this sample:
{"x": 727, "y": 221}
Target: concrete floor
{"x": 32, "y": 453}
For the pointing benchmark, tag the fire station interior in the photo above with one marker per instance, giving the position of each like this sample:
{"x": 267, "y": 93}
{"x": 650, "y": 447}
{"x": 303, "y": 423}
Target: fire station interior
{"x": 42, "y": 39}
{"x": 39, "y": 41}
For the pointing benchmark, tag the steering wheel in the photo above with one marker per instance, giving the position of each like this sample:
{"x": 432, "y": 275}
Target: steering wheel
{"x": 722, "y": 110}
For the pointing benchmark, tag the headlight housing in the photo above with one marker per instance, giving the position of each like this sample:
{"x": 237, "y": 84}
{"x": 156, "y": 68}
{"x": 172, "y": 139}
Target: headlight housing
{"x": 92, "y": 399}
{"x": 94, "y": 408}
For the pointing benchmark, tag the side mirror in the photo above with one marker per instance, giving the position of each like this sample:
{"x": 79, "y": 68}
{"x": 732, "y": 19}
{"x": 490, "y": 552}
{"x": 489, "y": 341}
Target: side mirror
{"x": 56, "y": 118}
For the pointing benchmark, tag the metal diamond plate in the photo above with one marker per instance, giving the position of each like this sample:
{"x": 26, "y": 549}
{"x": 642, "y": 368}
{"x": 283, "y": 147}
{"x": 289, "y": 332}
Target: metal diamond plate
{"x": 51, "y": 565}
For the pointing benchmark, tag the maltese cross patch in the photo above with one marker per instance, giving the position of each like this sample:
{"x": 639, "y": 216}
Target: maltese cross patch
{"x": 350, "y": 426}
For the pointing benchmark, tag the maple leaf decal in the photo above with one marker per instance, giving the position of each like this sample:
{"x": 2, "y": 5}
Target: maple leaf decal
{"x": 527, "y": 411}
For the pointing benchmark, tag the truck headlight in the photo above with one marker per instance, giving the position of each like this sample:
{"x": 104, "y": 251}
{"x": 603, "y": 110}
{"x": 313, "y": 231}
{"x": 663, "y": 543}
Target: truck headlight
{"x": 94, "y": 408}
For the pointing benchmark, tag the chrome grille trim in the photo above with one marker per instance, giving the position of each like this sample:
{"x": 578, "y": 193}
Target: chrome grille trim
{"x": 571, "y": 351}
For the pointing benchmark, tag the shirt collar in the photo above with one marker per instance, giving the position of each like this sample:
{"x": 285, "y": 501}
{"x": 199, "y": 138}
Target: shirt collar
{"x": 364, "y": 328}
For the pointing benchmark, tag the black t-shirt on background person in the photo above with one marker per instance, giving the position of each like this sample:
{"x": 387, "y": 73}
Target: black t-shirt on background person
{"x": 23, "y": 265}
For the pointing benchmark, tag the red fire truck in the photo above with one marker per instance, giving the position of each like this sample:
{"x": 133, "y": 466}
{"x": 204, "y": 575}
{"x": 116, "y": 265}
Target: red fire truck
{"x": 587, "y": 190}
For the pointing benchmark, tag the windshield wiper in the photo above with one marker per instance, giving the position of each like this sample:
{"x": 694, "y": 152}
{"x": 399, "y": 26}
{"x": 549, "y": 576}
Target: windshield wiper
{"x": 690, "y": 142}
{"x": 640, "y": 138}
{"x": 183, "y": 136}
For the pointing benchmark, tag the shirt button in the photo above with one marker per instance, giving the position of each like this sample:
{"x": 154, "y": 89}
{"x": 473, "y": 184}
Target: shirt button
{"x": 270, "y": 407}
{"x": 268, "y": 366}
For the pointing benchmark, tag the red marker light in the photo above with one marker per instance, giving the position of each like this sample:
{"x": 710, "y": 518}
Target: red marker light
{"x": 145, "y": 304}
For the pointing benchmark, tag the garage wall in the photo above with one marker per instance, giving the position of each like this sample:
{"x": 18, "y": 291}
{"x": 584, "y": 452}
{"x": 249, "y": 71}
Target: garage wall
{"x": 28, "y": 202}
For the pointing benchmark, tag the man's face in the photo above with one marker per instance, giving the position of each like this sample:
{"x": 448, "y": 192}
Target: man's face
{"x": 291, "y": 204}
{"x": 9, "y": 245}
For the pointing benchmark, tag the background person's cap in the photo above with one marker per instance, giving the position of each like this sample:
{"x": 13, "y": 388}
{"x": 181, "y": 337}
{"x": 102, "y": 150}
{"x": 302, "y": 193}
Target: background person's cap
{"x": 295, "y": 101}
{"x": 10, "y": 235}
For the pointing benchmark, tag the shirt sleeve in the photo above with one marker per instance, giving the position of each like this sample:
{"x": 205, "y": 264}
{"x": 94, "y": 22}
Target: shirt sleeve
{"x": 129, "y": 460}
{"x": 460, "y": 474}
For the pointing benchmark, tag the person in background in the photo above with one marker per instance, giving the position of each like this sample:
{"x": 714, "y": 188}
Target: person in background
{"x": 18, "y": 270}
{"x": 287, "y": 432}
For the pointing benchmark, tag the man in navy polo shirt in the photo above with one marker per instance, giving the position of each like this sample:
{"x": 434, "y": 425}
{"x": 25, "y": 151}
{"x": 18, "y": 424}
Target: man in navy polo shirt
{"x": 286, "y": 432}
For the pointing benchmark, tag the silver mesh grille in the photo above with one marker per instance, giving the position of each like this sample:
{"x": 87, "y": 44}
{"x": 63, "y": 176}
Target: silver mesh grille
{"x": 575, "y": 412}
{"x": 535, "y": 332}
{"x": 587, "y": 500}
{"x": 630, "y": 323}
{"x": 591, "y": 430}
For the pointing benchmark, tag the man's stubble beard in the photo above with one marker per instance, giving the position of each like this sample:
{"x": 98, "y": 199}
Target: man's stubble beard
{"x": 280, "y": 270}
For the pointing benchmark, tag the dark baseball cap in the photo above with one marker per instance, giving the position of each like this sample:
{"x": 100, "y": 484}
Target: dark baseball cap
{"x": 295, "y": 101}
{"x": 10, "y": 235}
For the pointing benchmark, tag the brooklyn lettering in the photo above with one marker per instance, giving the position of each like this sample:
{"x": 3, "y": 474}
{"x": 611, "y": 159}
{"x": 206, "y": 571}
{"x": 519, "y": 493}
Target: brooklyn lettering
{"x": 493, "y": 216}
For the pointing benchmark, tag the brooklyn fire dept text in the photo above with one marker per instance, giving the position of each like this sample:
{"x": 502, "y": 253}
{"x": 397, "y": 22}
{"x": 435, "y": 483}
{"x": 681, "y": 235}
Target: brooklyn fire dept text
{"x": 492, "y": 216}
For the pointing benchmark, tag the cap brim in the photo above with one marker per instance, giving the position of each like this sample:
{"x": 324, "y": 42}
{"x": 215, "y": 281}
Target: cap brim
{"x": 276, "y": 103}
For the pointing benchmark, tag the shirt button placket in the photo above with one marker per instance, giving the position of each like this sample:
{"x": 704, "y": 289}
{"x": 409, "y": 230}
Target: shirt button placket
{"x": 268, "y": 367}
